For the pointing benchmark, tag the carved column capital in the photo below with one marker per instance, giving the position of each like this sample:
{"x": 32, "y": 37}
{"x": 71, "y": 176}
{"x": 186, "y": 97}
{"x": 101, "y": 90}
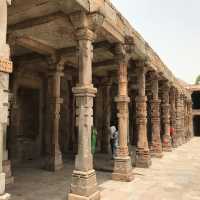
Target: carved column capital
{"x": 82, "y": 20}
{"x": 85, "y": 34}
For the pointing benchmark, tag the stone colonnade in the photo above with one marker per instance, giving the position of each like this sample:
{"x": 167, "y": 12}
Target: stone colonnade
{"x": 84, "y": 182}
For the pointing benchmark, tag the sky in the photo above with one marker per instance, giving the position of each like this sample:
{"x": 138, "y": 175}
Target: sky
{"x": 172, "y": 28}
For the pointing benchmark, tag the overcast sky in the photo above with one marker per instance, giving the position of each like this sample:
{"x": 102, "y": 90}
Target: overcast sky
{"x": 172, "y": 28}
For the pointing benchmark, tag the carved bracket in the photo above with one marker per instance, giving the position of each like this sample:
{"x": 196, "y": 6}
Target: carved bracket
{"x": 6, "y": 66}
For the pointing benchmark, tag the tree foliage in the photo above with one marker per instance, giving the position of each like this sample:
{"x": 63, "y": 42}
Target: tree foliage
{"x": 197, "y": 80}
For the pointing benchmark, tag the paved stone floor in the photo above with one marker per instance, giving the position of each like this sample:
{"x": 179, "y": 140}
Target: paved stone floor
{"x": 174, "y": 177}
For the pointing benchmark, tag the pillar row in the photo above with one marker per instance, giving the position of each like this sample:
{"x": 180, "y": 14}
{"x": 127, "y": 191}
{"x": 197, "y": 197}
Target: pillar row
{"x": 122, "y": 163}
{"x": 143, "y": 158}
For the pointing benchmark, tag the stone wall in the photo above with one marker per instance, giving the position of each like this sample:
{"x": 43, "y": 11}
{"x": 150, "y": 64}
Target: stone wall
{"x": 27, "y": 119}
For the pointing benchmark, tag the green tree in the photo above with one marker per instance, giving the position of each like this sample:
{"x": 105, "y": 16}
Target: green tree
{"x": 197, "y": 80}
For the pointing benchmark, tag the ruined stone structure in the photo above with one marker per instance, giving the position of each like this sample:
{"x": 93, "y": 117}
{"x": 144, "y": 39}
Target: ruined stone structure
{"x": 75, "y": 65}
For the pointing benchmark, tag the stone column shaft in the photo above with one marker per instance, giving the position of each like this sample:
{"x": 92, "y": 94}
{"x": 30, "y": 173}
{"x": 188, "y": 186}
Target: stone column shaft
{"x": 122, "y": 163}
{"x": 156, "y": 145}
{"x": 173, "y": 116}
{"x": 105, "y": 143}
{"x": 84, "y": 184}
{"x": 5, "y": 69}
{"x": 54, "y": 159}
{"x": 185, "y": 120}
{"x": 142, "y": 153}
{"x": 190, "y": 119}
{"x": 167, "y": 146}
{"x": 179, "y": 118}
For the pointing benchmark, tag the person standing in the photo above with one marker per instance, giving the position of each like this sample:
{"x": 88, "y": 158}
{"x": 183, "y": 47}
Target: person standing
{"x": 113, "y": 140}
{"x": 93, "y": 140}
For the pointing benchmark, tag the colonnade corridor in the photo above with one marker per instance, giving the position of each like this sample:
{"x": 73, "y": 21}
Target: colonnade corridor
{"x": 174, "y": 177}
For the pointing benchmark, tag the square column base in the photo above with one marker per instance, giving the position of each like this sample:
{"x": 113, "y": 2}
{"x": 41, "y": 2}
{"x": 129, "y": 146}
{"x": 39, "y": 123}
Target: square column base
{"x": 84, "y": 186}
{"x": 54, "y": 163}
{"x": 167, "y": 144}
{"x": 156, "y": 154}
{"x": 5, "y": 196}
{"x": 7, "y": 170}
{"x": 156, "y": 150}
{"x": 95, "y": 196}
{"x": 175, "y": 145}
{"x": 167, "y": 147}
{"x": 122, "y": 169}
{"x": 143, "y": 158}
{"x": 174, "y": 142}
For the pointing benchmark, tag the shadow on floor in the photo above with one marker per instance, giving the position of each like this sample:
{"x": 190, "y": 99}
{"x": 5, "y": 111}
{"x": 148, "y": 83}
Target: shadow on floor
{"x": 32, "y": 182}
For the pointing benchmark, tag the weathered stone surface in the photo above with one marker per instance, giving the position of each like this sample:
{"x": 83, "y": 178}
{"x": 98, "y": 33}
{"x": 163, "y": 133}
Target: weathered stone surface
{"x": 166, "y": 138}
{"x": 84, "y": 184}
{"x": 156, "y": 145}
{"x": 54, "y": 158}
{"x": 143, "y": 158}
{"x": 8, "y": 171}
{"x": 122, "y": 162}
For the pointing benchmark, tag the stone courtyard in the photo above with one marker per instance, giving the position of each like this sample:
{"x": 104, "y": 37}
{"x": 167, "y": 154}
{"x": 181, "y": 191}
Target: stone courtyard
{"x": 175, "y": 177}
{"x": 69, "y": 68}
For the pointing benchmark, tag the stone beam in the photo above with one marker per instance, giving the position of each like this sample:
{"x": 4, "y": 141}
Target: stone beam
{"x": 104, "y": 63}
{"x": 69, "y": 51}
{"x": 29, "y": 23}
{"x": 34, "y": 45}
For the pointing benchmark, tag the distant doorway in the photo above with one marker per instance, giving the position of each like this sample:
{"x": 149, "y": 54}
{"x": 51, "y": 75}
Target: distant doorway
{"x": 196, "y": 124}
{"x": 27, "y": 138}
{"x": 196, "y": 106}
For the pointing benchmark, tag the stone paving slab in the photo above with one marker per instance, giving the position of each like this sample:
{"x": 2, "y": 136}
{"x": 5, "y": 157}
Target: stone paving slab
{"x": 174, "y": 177}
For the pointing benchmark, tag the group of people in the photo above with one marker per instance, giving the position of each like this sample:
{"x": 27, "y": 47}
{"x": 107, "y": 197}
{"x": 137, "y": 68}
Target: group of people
{"x": 114, "y": 138}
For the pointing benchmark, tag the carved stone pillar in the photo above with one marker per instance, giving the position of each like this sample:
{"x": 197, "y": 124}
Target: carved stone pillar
{"x": 143, "y": 158}
{"x": 179, "y": 127}
{"x": 173, "y": 116}
{"x": 105, "y": 143}
{"x": 122, "y": 163}
{"x": 84, "y": 184}
{"x": 5, "y": 69}
{"x": 183, "y": 117}
{"x": 156, "y": 145}
{"x": 190, "y": 119}
{"x": 165, "y": 107}
{"x": 54, "y": 157}
{"x": 189, "y": 135}
{"x": 6, "y": 162}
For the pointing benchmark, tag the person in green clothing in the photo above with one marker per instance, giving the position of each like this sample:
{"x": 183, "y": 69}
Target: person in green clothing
{"x": 93, "y": 140}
